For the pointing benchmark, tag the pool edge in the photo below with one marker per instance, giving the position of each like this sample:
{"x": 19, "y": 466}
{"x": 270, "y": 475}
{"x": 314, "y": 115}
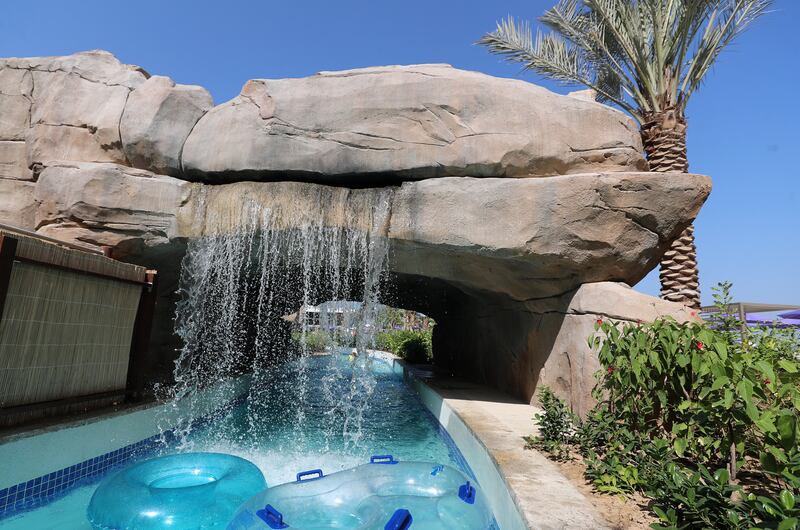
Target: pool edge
{"x": 512, "y": 477}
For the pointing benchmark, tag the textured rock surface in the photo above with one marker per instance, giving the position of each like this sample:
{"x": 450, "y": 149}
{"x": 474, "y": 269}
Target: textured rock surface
{"x": 393, "y": 122}
{"x": 108, "y": 205}
{"x": 17, "y": 203}
{"x": 520, "y": 345}
{"x": 373, "y": 125}
{"x": 157, "y": 120}
{"x": 540, "y": 237}
{"x": 16, "y": 87}
{"x": 570, "y": 355}
{"x": 77, "y": 105}
{"x": 12, "y": 161}
{"x": 62, "y": 108}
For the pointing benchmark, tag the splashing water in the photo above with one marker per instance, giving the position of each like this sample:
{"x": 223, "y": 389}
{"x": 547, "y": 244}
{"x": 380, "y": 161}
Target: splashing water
{"x": 262, "y": 259}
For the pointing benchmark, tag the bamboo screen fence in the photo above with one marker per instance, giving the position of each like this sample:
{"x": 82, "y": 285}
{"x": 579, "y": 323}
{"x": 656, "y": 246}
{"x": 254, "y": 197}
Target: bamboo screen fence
{"x": 67, "y": 323}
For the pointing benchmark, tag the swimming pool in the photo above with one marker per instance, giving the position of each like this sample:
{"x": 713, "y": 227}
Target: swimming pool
{"x": 284, "y": 432}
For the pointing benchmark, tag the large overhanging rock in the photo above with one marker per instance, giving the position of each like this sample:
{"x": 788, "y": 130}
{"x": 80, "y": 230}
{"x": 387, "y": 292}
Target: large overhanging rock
{"x": 505, "y": 266}
{"x": 522, "y": 238}
{"x": 370, "y": 126}
{"x": 406, "y": 122}
{"x": 110, "y": 206}
{"x": 540, "y": 237}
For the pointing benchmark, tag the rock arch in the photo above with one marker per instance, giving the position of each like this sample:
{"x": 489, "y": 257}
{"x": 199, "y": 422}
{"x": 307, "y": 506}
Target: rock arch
{"x": 517, "y": 216}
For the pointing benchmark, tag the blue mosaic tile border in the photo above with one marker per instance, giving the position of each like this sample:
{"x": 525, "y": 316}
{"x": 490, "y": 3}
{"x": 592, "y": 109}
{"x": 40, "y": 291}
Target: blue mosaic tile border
{"x": 43, "y": 490}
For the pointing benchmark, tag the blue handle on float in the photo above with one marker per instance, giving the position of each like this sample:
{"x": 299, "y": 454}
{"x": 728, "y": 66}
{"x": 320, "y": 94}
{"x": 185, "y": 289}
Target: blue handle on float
{"x": 436, "y": 470}
{"x": 466, "y": 492}
{"x": 303, "y": 474}
{"x": 272, "y": 517}
{"x": 400, "y": 520}
{"x": 382, "y": 459}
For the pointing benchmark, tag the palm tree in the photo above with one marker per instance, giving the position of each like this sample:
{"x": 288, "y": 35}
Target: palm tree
{"x": 648, "y": 57}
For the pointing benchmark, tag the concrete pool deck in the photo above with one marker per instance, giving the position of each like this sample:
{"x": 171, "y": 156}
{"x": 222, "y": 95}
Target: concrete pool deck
{"x": 526, "y": 490}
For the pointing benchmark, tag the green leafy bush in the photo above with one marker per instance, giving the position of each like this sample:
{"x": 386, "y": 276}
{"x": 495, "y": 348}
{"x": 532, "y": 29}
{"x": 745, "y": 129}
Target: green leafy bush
{"x": 413, "y": 346}
{"x": 314, "y": 341}
{"x": 684, "y": 409}
{"x": 556, "y": 426}
{"x": 718, "y": 399}
{"x": 415, "y": 349}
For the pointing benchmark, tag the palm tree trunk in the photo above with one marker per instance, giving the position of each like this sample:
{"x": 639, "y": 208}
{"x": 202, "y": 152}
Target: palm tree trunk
{"x": 664, "y": 138}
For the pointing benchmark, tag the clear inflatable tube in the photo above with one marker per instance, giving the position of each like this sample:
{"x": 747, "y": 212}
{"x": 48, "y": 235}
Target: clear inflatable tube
{"x": 385, "y": 494}
{"x": 189, "y": 490}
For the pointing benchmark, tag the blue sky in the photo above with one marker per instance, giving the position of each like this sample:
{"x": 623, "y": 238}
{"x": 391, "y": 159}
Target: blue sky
{"x": 743, "y": 124}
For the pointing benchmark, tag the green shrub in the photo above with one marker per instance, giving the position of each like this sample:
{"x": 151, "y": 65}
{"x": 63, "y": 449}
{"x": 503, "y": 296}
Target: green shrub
{"x": 415, "y": 349}
{"x": 696, "y": 499}
{"x": 684, "y": 409}
{"x": 556, "y": 426}
{"x": 314, "y": 341}
{"x": 413, "y": 346}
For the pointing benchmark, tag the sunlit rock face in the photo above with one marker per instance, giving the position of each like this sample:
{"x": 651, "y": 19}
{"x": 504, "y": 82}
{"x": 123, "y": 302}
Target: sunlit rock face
{"x": 66, "y": 108}
{"x": 510, "y": 208}
{"x": 157, "y": 120}
{"x": 384, "y": 124}
{"x": 521, "y": 238}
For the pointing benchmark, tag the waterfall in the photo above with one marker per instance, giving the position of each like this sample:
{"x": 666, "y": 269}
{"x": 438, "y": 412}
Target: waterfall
{"x": 264, "y": 257}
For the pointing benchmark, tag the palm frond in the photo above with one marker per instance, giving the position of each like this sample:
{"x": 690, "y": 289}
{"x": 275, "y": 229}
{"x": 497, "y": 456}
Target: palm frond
{"x": 642, "y": 55}
{"x": 553, "y": 56}
{"x": 728, "y": 20}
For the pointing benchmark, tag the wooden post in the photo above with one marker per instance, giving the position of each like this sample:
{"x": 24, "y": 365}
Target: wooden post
{"x": 8, "y": 249}
{"x": 139, "y": 360}
{"x": 743, "y": 324}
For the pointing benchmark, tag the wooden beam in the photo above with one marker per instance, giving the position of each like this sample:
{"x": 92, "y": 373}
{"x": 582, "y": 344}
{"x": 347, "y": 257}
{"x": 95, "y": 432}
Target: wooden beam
{"x": 77, "y": 271}
{"x": 139, "y": 359}
{"x": 8, "y": 248}
{"x": 42, "y": 237}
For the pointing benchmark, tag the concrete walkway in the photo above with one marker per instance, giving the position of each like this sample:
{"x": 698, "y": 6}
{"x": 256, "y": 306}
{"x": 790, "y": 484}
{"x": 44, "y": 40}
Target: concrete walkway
{"x": 483, "y": 420}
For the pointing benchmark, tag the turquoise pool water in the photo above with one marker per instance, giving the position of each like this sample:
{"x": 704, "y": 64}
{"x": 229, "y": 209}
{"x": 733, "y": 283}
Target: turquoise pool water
{"x": 284, "y": 428}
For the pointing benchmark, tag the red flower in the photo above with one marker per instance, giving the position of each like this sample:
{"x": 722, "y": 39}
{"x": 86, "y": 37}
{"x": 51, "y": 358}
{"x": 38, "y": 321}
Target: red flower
{"x": 610, "y": 369}
{"x": 767, "y": 381}
{"x": 599, "y": 321}
{"x": 699, "y": 345}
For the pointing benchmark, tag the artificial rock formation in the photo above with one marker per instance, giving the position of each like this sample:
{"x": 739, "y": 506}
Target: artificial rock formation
{"x": 406, "y": 122}
{"x": 517, "y": 216}
{"x": 513, "y": 293}
{"x": 546, "y": 237}
{"x": 157, "y": 120}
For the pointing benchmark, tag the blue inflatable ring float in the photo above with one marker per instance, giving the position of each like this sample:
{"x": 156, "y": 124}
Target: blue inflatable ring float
{"x": 189, "y": 490}
{"x": 383, "y": 495}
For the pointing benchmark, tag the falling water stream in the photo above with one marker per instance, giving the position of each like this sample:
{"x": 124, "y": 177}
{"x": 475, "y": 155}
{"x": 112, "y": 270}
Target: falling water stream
{"x": 260, "y": 255}
{"x": 260, "y": 262}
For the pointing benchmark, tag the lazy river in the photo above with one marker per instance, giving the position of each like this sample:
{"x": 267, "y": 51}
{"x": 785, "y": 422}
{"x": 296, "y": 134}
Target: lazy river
{"x": 394, "y": 422}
